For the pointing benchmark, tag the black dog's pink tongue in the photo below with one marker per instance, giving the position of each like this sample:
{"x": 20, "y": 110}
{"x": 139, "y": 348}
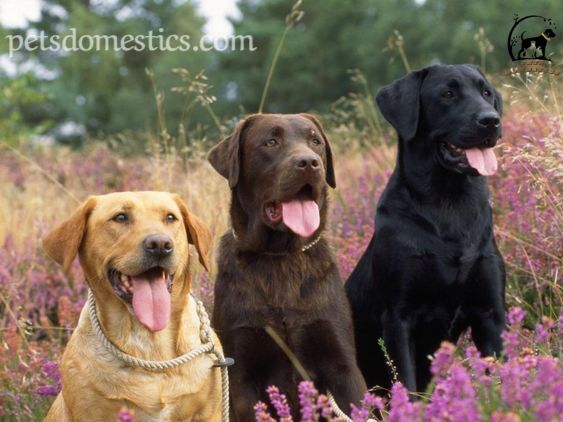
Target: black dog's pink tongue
{"x": 151, "y": 300}
{"x": 302, "y": 217}
{"x": 482, "y": 160}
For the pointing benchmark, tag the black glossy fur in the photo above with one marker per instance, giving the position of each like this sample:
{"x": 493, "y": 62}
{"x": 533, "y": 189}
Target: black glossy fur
{"x": 432, "y": 268}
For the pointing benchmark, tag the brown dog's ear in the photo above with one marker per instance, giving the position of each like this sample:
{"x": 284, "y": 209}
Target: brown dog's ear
{"x": 198, "y": 233}
{"x": 63, "y": 242}
{"x": 225, "y": 156}
{"x": 399, "y": 103}
{"x": 330, "y": 177}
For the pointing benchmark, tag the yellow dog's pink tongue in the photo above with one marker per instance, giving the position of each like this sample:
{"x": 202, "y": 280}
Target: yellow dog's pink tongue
{"x": 301, "y": 216}
{"x": 151, "y": 301}
{"x": 482, "y": 160}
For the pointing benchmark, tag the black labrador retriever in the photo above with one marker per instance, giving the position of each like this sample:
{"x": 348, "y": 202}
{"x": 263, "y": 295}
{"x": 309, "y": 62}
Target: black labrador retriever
{"x": 432, "y": 268}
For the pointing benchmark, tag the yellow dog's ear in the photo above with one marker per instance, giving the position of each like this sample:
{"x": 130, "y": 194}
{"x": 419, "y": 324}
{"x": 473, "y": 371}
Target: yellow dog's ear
{"x": 198, "y": 233}
{"x": 63, "y": 242}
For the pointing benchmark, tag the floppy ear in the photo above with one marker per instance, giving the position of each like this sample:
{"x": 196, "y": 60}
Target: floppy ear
{"x": 63, "y": 242}
{"x": 225, "y": 156}
{"x": 198, "y": 233}
{"x": 399, "y": 103}
{"x": 330, "y": 177}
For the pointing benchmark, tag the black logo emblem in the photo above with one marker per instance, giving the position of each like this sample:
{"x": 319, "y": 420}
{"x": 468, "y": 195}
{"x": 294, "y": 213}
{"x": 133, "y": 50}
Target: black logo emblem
{"x": 529, "y": 37}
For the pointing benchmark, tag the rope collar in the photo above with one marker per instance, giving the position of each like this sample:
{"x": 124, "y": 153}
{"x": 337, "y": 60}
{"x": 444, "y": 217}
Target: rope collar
{"x": 207, "y": 346}
{"x": 303, "y": 249}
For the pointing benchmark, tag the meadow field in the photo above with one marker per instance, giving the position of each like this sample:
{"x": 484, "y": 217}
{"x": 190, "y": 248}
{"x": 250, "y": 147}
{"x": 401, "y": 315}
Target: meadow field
{"x": 39, "y": 305}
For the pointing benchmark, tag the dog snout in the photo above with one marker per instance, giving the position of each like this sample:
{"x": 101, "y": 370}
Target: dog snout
{"x": 159, "y": 245}
{"x": 488, "y": 119}
{"x": 308, "y": 163}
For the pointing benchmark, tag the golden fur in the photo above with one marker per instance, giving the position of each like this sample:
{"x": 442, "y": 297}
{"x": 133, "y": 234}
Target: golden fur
{"x": 96, "y": 385}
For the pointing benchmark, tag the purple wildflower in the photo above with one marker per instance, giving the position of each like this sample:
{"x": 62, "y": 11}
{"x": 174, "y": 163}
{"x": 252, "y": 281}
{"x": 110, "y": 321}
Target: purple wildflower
{"x": 516, "y": 315}
{"x": 261, "y": 413}
{"x": 307, "y": 401}
{"x": 401, "y": 408}
{"x": 443, "y": 359}
{"x": 454, "y": 398}
{"x": 279, "y": 401}
{"x": 370, "y": 402}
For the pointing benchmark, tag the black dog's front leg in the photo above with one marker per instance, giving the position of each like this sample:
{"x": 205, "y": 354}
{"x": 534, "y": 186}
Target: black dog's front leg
{"x": 485, "y": 311}
{"x": 399, "y": 345}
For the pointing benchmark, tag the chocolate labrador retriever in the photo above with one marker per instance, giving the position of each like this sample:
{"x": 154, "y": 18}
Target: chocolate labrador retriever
{"x": 276, "y": 268}
{"x": 432, "y": 268}
{"x": 134, "y": 251}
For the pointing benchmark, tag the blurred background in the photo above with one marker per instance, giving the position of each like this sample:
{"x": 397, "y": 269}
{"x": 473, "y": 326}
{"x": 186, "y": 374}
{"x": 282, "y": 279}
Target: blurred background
{"x": 332, "y": 50}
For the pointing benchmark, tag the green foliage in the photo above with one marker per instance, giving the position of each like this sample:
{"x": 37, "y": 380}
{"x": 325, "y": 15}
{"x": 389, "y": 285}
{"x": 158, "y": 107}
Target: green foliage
{"x": 18, "y": 97}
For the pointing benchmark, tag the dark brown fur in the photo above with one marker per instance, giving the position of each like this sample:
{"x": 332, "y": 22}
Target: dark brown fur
{"x": 265, "y": 279}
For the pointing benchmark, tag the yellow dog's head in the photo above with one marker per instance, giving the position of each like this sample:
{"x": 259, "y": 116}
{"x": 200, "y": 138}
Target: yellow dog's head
{"x": 133, "y": 246}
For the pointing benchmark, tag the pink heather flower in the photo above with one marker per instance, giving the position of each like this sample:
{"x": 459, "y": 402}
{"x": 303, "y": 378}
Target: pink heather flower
{"x": 307, "y": 401}
{"x": 401, "y": 409}
{"x": 548, "y": 385}
{"x": 50, "y": 369}
{"x": 261, "y": 413}
{"x": 511, "y": 343}
{"x": 516, "y": 315}
{"x": 369, "y": 403}
{"x": 126, "y": 415}
{"x": 279, "y": 401}
{"x": 324, "y": 408}
{"x": 515, "y": 376}
{"x": 483, "y": 368}
{"x": 543, "y": 330}
{"x": 454, "y": 398}
{"x": 443, "y": 359}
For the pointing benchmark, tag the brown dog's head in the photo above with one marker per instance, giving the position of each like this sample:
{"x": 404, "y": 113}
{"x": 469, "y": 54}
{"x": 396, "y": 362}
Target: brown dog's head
{"x": 278, "y": 167}
{"x": 133, "y": 248}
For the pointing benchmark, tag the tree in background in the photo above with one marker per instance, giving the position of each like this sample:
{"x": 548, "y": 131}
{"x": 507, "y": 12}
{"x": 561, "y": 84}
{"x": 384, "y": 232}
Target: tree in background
{"x": 335, "y": 36}
{"x": 108, "y": 91}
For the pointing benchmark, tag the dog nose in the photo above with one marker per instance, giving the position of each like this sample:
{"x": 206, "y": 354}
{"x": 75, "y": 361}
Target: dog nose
{"x": 308, "y": 162}
{"x": 488, "y": 119}
{"x": 158, "y": 244}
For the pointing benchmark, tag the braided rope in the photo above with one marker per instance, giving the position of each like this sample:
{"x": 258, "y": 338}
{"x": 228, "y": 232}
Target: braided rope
{"x": 206, "y": 347}
{"x": 337, "y": 409}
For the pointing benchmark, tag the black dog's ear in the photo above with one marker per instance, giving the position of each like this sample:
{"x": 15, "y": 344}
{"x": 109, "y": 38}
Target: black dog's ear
{"x": 225, "y": 156}
{"x": 330, "y": 177}
{"x": 399, "y": 103}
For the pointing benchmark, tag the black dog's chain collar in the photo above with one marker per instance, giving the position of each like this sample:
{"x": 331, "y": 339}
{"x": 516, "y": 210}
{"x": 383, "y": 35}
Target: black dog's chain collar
{"x": 303, "y": 249}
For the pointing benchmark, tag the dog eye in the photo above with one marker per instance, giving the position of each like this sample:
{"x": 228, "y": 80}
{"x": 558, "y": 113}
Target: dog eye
{"x": 121, "y": 218}
{"x": 270, "y": 143}
{"x": 448, "y": 94}
{"x": 171, "y": 218}
{"x": 487, "y": 93}
{"x": 315, "y": 141}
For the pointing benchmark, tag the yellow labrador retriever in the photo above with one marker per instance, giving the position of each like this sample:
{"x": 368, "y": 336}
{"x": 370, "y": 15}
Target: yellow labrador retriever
{"x": 133, "y": 249}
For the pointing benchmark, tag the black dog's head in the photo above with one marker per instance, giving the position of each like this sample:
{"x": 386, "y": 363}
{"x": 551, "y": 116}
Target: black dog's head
{"x": 278, "y": 166}
{"x": 448, "y": 113}
{"x": 548, "y": 33}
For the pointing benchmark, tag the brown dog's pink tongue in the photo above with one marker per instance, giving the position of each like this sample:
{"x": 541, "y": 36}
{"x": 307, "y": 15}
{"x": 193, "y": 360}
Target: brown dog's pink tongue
{"x": 482, "y": 160}
{"x": 151, "y": 301}
{"x": 301, "y": 216}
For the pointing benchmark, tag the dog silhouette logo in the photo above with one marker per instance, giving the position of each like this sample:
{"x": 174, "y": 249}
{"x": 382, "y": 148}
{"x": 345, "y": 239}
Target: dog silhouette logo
{"x": 529, "y": 38}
